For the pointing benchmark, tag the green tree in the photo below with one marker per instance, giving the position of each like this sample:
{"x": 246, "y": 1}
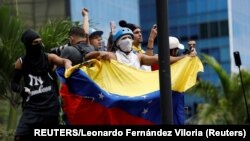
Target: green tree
{"x": 224, "y": 103}
{"x": 53, "y": 33}
{"x": 10, "y": 49}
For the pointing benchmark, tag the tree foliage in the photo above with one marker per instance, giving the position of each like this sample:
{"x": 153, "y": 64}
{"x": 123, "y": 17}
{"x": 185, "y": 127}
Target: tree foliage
{"x": 224, "y": 102}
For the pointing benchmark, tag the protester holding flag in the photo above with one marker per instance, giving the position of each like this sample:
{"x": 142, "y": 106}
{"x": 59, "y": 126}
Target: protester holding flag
{"x": 123, "y": 39}
{"x": 113, "y": 93}
{"x": 178, "y": 97}
{"x": 123, "y": 42}
{"x": 192, "y": 45}
{"x": 116, "y": 91}
{"x": 138, "y": 39}
{"x": 78, "y": 46}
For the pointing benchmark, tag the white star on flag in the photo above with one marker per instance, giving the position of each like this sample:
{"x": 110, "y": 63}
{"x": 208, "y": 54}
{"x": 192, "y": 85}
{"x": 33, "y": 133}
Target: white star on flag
{"x": 150, "y": 101}
{"x": 145, "y": 111}
{"x": 101, "y": 96}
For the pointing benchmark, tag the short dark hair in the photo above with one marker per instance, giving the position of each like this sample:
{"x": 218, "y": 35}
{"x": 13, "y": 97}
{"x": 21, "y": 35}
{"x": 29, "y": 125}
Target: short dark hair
{"x": 78, "y": 31}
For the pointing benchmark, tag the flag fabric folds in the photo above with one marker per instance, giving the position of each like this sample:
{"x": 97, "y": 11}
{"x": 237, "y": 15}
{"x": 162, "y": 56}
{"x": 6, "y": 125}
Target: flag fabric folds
{"x": 111, "y": 93}
{"x": 184, "y": 73}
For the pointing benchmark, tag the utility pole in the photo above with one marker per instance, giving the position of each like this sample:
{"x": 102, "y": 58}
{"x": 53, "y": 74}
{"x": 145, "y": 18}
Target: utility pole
{"x": 164, "y": 62}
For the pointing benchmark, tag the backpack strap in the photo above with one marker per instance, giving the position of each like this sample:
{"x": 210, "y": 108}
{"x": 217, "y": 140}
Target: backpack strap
{"x": 80, "y": 48}
{"x": 84, "y": 48}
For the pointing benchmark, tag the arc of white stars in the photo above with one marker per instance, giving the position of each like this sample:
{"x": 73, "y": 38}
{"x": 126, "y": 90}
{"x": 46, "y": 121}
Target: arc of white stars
{"x": 89, "y": 97}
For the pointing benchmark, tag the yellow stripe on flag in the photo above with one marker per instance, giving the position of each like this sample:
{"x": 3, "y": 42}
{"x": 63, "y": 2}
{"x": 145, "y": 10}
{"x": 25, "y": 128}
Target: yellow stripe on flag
{"x": 118, "y": 78}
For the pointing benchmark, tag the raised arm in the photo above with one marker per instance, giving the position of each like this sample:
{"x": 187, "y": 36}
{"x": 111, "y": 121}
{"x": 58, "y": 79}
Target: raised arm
{"x": 151, "y": 39}
{"x": 85, "y": 14}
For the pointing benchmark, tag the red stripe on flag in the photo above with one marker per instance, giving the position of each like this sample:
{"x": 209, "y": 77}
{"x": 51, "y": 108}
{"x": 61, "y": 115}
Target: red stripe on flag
{"x": 84, "y": 111}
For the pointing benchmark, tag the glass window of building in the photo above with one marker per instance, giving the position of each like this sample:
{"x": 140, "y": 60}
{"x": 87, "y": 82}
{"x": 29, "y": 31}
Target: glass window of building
{"x": 224, "y": 27}
{"x": 204, "y": 30}
{"x": 214, "y": 30}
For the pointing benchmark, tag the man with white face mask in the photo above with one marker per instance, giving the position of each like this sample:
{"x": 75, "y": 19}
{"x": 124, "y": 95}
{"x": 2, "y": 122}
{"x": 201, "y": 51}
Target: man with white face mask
{"x": 138, "y": 40}
{"x": 125, "y": 43}
{"x": 123, "y": 39}
{"x": 124, "y": 54}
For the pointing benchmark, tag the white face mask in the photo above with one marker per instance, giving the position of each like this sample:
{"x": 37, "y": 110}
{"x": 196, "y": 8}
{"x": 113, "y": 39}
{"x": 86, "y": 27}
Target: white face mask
{"x": 125, "y": 45}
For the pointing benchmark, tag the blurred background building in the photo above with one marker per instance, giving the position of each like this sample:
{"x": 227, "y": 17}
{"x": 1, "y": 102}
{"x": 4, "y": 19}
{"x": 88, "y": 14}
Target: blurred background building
{"x": 219, "y": 27}
{"x": 37, "y": 12}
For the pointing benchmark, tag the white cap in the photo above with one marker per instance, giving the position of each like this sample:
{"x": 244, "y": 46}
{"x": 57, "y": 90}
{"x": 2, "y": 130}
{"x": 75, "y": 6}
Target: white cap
{"x": 93, "y": 31}
{"x": 174, "y": 43}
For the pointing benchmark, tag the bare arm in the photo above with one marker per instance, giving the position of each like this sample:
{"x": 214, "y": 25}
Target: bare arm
{"x": 150, "y": 60}
{"x": 147, "y": 60}
{"x": 15, "y": 86}
{"x": 110, "y": 42}
{"x": 100, "y": 55}
{"x": 85, "y": 14}
{"x": 18, "y": 64}
{"x": 59, "y": 61}
{"x": 175, "y": 59}
{"x": 151, "y": 40}
{"x": 92, "y": 55}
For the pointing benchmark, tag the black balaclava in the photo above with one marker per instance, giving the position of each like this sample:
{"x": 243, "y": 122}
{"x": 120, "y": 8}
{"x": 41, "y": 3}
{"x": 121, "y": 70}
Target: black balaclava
{"x": 34, "y": 57}
{"x": 27, "y": 39}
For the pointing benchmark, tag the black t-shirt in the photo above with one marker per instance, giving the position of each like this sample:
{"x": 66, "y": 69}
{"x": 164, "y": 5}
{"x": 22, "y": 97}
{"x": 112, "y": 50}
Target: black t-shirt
{"x": 43, "y": 98}
{"x": 76, "y": 53}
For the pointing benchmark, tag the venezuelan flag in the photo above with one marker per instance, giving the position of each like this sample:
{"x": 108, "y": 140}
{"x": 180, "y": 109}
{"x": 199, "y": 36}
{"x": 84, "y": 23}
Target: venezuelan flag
{"x": 111, "y": 93}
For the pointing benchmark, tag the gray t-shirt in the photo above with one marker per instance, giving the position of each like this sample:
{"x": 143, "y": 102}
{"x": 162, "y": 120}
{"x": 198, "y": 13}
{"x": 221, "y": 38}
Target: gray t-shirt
{"x": 76, "y": 53}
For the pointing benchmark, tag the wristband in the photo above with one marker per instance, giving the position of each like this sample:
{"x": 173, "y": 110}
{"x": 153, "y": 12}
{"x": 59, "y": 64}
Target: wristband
{"x": 150, "y": 48}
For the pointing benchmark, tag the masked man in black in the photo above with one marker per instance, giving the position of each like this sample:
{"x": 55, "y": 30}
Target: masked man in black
{"x": 40, "y": 99}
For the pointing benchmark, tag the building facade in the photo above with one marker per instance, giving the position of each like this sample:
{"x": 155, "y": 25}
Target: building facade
{"x": 219, "y": 27}
{"x": 204, "y": 21}
{"x": 37, "y": 12}
{"x": 239, "y": 31}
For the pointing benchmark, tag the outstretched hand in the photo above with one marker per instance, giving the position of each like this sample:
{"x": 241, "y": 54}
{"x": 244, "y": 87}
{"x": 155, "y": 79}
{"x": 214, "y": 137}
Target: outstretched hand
{"x": 105, "y": 55}
{"x": 193, "y": 53}
{"x": 153, "y": 32}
